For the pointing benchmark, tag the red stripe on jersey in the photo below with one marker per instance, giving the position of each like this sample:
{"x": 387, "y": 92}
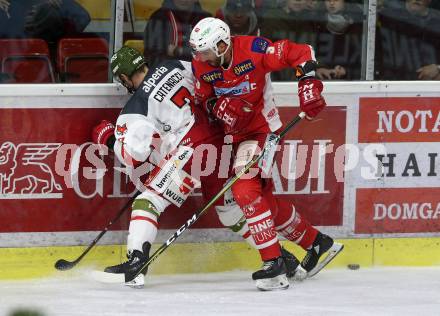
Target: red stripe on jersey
{"x": 246, "y": 234}
{"x": 143, "y": 218}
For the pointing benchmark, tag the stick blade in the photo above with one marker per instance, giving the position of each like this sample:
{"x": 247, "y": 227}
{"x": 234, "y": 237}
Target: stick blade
{"x": 64, "y": 265}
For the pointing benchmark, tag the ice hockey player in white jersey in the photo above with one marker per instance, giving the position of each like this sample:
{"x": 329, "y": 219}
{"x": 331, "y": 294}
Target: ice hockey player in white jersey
{"x": 158, "y": 125}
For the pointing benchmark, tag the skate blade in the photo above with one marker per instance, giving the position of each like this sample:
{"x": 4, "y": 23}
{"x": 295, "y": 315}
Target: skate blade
{"x": 331, "y": 254}
{"x": 277, "y": 283}
{"x": 300, "y": 274}
{"x": 137, "y": 283}
{"x": 117, "y": 278}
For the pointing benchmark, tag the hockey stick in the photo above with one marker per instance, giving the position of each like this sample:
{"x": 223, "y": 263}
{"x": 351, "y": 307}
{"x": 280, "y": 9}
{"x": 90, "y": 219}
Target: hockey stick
{"x": 130, "y": 276}
{"x": 63, "y": 264}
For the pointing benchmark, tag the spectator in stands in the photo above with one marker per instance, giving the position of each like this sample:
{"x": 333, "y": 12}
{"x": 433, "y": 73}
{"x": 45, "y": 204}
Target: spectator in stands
{"x": 291, "y": 20}
{"x": 241, "y": 17}
{"x": 339, "y": 41}
{"x": 312, "y": 5}
{"x": 421, "y": 9}
{"x": 396, "y": 4}
{"x": 262, "y": 6}
{"x": 49, "y": 20}
{"x": 341, "y": 16}
{"x": 46, "y": 19}
{"x": 408, "y": 42}
{"x": 429, "y": 72}
{"x": 4, "y": 7}
{"x": 167, "y": 32}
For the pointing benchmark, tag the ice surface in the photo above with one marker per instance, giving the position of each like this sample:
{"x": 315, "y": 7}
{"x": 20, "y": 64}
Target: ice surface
{"x": 377, "y": 291}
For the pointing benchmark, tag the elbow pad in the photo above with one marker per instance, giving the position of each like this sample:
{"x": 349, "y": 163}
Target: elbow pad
{"x": 133, "y": 141}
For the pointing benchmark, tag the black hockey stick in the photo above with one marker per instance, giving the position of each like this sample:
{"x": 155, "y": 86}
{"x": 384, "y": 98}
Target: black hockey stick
{"x": 63, "y": 265}
{"x": 132, "y": 275}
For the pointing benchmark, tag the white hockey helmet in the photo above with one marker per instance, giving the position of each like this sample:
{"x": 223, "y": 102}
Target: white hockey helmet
{"x": 207, "y": 34}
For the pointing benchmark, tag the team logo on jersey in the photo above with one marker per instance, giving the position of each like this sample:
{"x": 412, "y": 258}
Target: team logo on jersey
{"x": 260, "y": 45}
{"x": 244, "y": 67}
{"x": 121, "y": 129}
{"x": 242, "y": 88}
{"x": 212, "y": 76}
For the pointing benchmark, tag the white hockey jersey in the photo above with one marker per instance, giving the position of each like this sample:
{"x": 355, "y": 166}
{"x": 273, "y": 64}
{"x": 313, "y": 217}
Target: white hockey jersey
{"x": 160, "y": 107}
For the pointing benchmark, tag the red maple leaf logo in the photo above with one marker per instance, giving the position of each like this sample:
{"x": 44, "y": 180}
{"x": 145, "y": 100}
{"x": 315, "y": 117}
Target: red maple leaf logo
{"x": 121, "y": 129}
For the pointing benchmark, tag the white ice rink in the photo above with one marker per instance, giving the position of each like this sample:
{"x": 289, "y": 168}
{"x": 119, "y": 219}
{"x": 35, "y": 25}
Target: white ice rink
{"x": 378, "y": 291}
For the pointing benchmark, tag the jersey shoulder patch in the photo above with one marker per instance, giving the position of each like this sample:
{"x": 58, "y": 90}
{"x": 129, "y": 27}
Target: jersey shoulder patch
{"x": 260, "y": 45}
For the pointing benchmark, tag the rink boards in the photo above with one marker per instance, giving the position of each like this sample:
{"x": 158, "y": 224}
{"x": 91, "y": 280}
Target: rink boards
{"x": 366, "y": 171}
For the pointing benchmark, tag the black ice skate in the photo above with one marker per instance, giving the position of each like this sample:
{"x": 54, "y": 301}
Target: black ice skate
{"x": 322, "y": 244}
{"x": 136, "y": 259}
{"x": 272, "y": 275}
{"x": 294, "y": 271}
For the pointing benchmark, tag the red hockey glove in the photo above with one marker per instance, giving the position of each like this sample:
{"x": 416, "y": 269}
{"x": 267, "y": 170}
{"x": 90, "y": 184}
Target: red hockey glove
{"x": 234, "y": 113}
{"x": 102, "y": 132}
{"x": 310, "y": 100}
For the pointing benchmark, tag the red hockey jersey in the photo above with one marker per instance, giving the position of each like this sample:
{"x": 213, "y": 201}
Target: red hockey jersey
{"x": 248, "y": 77}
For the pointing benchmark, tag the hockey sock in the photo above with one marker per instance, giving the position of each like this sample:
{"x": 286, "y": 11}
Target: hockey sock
{"x": 292, "y": 226}
{"x": 242, "y": 229}
{"x": 248, "y": 195}
{"x": 143, "y": 225}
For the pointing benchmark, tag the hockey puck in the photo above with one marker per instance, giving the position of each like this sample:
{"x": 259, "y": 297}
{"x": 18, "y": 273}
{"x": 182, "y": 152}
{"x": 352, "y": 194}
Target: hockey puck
{"x": 353, "y": 266}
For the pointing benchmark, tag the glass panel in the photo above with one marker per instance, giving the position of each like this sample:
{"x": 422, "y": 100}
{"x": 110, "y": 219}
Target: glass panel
{"x": 137, "y": 13}
{"x": 55, "y": 41}
{"x": 333, "y": 27}
{"x": 408, "y": 40}
{"x": 161, "y": 29}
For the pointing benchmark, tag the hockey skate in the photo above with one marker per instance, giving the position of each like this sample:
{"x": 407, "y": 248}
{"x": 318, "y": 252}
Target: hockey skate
{"x": 323, "y": 244}
{"x": 117, "y": 273}
{"x": 272, "y": 275}
{"x": 294, "y": 270}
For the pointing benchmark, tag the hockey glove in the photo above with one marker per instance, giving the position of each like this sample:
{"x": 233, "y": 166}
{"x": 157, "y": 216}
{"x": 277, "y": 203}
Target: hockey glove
{"x": 103, "y": 134}
{"x": 234, "y": 113}
{"x": 310, "y": 99}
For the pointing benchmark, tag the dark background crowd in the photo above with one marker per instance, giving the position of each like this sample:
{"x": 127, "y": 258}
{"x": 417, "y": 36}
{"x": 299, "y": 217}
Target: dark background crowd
{"x": 406, "y": 47}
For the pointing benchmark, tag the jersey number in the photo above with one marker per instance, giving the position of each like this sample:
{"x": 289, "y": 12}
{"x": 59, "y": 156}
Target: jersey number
{"x": 183, "y": 97}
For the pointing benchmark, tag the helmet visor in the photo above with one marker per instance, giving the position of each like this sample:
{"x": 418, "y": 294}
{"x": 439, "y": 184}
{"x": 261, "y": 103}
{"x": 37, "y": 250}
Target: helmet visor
{"x": 203, "y": 55}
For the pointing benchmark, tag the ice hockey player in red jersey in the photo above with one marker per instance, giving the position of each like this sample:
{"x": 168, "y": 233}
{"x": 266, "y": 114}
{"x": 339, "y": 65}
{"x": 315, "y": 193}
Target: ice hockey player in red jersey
{"x": 233, "y": 85}
{"x": 160, "y": 125}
